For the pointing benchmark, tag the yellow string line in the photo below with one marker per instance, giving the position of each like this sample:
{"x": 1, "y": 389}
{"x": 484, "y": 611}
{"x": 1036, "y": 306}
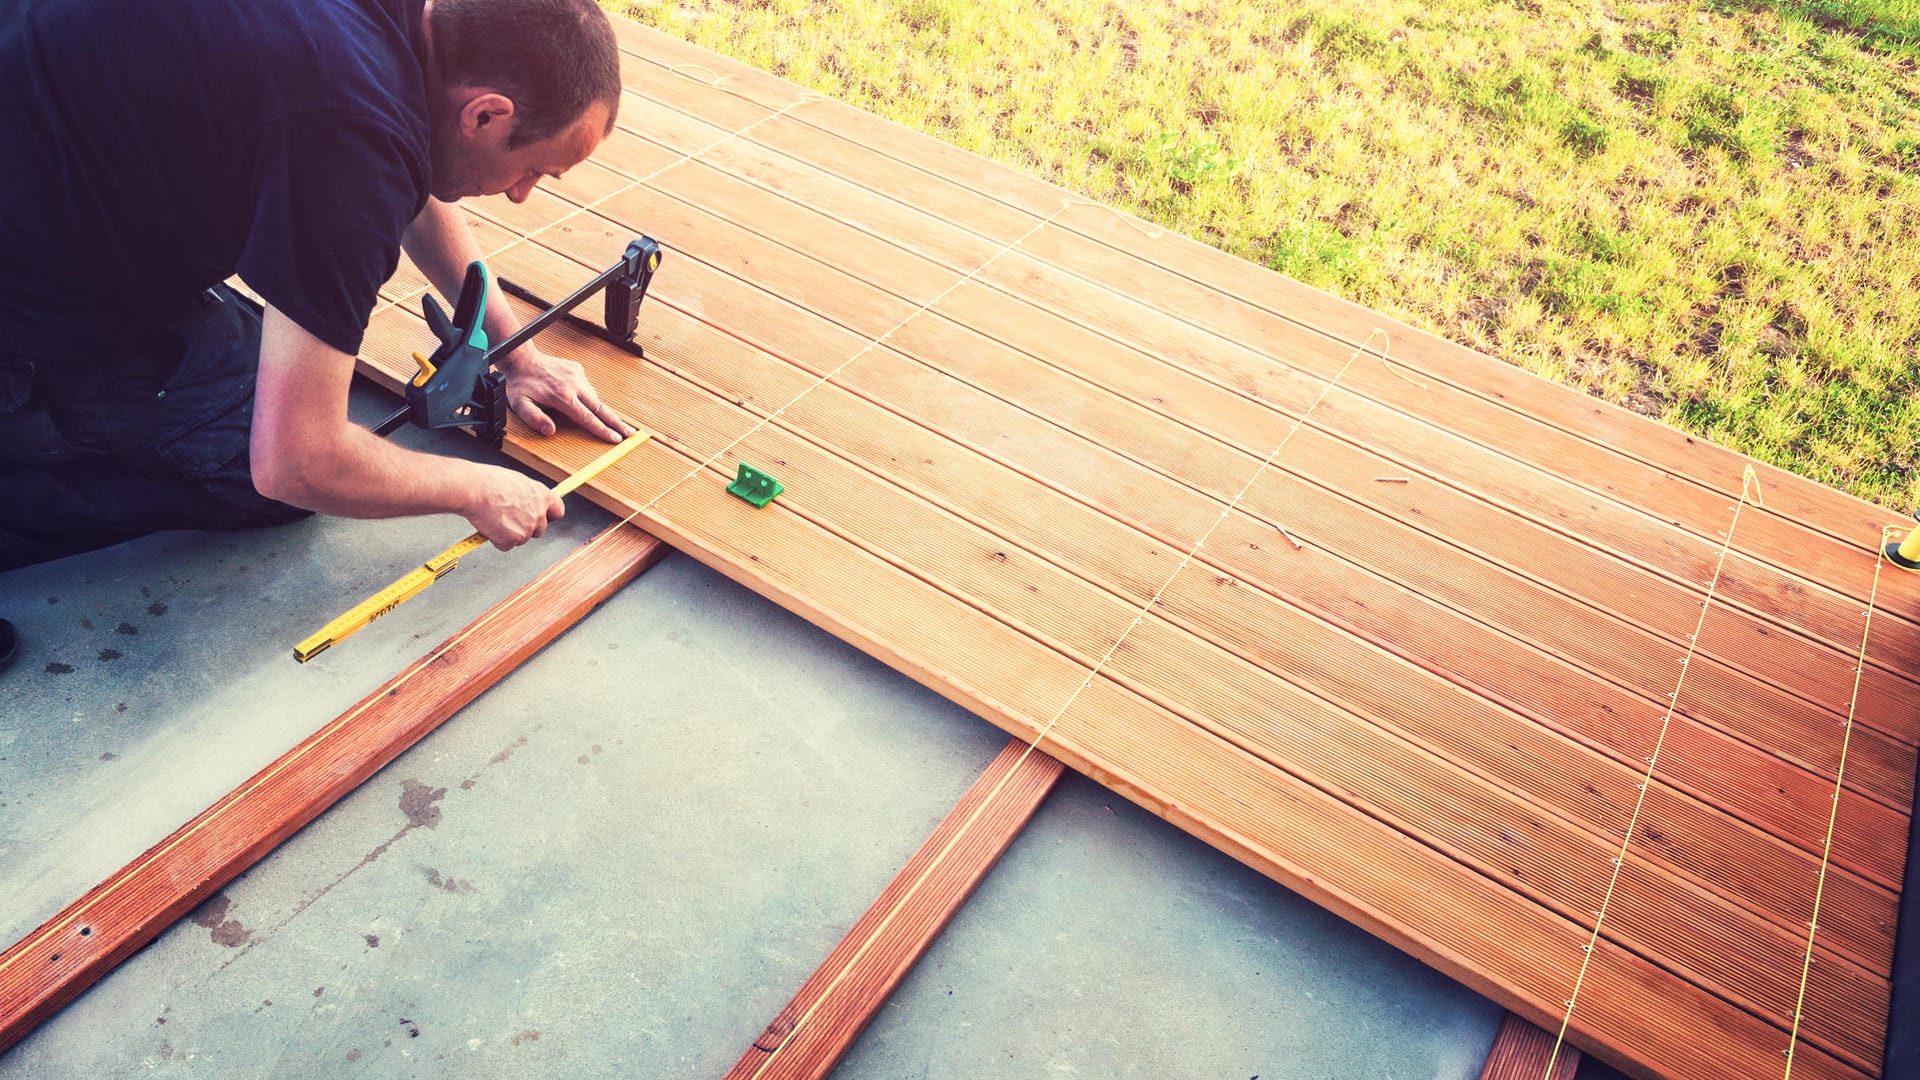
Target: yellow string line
{"x": 1839, "y": 777}
{"x": 804, "y": 98}
{"x": 1748, "y": 478}
{"x": 1033, "y": 746}
{"x": 872, "y": 343}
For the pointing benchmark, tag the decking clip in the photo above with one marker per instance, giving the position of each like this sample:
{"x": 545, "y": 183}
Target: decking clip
{"x": 755, "y": 486}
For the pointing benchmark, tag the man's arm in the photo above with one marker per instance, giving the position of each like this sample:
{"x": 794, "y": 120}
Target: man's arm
{"x": 306, "y": 452}
{"x": 441, "y": 245}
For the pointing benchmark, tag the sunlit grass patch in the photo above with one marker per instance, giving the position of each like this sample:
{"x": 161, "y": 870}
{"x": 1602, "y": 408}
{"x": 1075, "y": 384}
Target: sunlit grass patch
{"x": 1707, "y": 214}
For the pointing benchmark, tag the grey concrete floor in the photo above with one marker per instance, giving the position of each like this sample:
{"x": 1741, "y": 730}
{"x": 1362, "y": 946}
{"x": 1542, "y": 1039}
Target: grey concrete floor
{"x": 623, "y": 859}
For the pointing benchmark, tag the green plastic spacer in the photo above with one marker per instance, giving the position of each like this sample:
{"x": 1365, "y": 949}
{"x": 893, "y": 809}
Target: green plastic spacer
{"x": 755, "y": 486}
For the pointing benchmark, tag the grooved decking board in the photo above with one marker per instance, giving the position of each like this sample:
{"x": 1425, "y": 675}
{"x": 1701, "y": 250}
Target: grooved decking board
{"x": 1524, "y": 1052}
{"x": 50, "y": 967}
{"x": 1026, "y": 445}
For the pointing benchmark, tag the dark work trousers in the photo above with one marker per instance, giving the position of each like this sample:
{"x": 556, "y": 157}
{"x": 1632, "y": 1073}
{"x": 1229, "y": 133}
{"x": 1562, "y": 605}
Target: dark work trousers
{"x": 153, "y": 436}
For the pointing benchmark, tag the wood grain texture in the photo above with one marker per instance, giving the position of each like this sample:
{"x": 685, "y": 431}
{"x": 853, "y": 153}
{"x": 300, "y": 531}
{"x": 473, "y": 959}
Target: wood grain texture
{"x": 70, "y": 952}
{"x": 834, "y": 1005}
{"x": 1006, "y": 418}
{"x": 1522, "y": 1051}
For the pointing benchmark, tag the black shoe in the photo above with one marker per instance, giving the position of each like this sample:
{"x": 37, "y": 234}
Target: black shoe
{"x": 9, "y": 644}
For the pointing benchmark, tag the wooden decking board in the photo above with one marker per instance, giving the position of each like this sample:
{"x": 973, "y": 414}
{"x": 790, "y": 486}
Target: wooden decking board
{"x": 1874, "y": 713}
{"x": 1900, "y": 776}
{"x": 1366, "y": 871}
{"x": 843, "y": 483}
{"x": 1670, "y": 922}
{"x": 1788, "y": 726}
{"x": 1870, "y": 713}
{"x": 930, "y": 160}
{"x": 1742, "y": 863}
{"x": 891, "y": 528}
{"x": 1523, "y": 1051}
{"x": 838, "y": 424}
{"x": 1840, "y": 515}
{"x": 1133, "y": 245}
{"x": 1391, "y": 811}
{"x": 1524, "y": 437}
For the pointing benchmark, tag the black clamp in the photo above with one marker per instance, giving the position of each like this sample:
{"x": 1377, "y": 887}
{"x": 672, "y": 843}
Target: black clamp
{"x": 457, "y": 386}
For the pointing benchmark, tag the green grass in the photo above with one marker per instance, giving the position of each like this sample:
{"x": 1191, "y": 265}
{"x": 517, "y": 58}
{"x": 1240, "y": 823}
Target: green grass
{"x": 1708, "y": 213}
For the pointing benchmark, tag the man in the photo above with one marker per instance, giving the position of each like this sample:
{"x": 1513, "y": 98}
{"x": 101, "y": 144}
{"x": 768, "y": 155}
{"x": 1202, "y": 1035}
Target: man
{"x": 152, "y": 150}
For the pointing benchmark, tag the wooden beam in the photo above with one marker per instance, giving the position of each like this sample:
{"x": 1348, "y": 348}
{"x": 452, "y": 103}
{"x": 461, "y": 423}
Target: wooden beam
{"x": 56, "y": 963}
{"x": 834, "y": 1005}
{"x": 1521, "y": 1052}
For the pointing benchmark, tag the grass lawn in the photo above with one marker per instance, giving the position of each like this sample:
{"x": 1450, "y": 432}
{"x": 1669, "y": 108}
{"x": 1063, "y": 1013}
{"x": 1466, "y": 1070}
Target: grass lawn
{"x": 1710, "y": 214}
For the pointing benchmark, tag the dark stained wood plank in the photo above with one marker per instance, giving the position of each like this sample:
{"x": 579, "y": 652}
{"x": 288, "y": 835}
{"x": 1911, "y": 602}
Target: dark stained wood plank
{"x": 50, "y": 967}
{"x": 833, "y": 1006}
{"x": 1522, "y": 1051}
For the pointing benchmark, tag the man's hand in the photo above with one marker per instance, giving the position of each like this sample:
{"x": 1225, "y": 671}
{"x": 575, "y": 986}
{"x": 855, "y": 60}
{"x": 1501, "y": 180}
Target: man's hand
{"x": 537, "y": 382}
{"x": 305, "y": 451}
{"x": 510, "y": 509}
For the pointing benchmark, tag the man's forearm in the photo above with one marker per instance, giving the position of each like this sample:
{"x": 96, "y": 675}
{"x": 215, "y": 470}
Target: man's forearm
{"x": 357, "y": 474}
{"x": 306, "y": 452}
{"x": 441, "y": 245}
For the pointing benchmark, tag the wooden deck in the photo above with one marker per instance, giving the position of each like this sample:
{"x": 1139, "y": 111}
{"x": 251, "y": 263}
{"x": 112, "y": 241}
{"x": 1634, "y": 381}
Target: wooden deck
{"x": 1424, "y": 638}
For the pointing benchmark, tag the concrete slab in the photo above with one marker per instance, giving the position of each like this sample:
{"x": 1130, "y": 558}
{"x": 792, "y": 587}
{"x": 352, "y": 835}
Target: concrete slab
{"x": 623, "y": 859}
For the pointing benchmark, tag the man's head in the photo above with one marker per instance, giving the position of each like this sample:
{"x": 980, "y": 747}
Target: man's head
{"x": 524, "y": 89}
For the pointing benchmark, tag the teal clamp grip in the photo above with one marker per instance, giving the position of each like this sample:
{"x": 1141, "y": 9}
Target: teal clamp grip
{"x": 755, "y": 486}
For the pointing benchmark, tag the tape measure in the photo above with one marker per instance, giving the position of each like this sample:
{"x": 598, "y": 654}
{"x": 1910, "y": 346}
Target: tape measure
{"x": 361, "y": 615}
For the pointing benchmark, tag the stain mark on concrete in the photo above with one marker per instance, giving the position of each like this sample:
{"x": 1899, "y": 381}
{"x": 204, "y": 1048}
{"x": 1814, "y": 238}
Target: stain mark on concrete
{"x": 86, "y": 623}
{"x": 413, "y": 1029}
{"x": 120, "y": 707}
{"x": 417, "y": 802}
{"x": 508, "y": 752}
{"x": 126, "y": 628}
{"x": 57, "y": 668}
{"x": 373, "y": 940}
{"x": 467, "y": 784}
{"x": 109, "y": 654}
{"x": 108, "y": 755}
{"x": 353, "y": 1056}
{"x": 583, "y": 759}
{"x": 225, "y": 931}
{"x": 166, "y": 1050}
{"x": 156, "y": 609}
{"x": 53, "y": 599}
{"x": 144, "y": 591}
{"x": 318, "y": 990}
{"x": 526, "y": 1036}
{"x": 445, "y": 884}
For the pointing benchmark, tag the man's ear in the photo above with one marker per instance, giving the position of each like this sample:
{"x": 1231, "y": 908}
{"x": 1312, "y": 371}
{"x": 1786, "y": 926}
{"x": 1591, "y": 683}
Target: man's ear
{"x": 487, "y": 116}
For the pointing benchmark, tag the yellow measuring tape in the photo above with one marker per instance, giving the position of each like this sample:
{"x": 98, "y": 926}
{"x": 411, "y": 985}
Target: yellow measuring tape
{"x": 415, "y": 581}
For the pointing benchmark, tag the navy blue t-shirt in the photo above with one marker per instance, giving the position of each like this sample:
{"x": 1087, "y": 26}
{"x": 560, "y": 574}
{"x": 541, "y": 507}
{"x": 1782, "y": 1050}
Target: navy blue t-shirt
{"x": 151, "y": 149}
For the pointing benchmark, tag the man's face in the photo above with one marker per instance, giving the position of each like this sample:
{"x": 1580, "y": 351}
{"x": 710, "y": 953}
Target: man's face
{"x": 472, "y": 157}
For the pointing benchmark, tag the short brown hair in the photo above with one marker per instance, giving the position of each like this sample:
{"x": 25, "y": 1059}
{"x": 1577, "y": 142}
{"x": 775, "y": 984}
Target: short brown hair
{"x": 554, "y": 58}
